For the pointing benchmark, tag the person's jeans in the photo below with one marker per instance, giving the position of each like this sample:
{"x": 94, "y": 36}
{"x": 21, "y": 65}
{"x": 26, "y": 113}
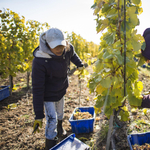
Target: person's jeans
{"x": 53, "y": 111}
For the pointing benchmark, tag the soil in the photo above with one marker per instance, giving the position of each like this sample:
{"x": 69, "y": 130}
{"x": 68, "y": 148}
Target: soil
{"x": 17, "y": 117}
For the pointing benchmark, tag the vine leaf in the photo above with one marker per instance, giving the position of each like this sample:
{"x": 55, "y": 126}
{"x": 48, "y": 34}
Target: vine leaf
{"x": 142, "y": 60}
{"x": 102, "y": 24}
{"x": 100, "y": 89}
{"x": 133, "y": 17}
{"x": 143, "y": 46}
{"x": 110, "y": 38}
{"x": 112, "y": 13}
{"x": 136, "y": 1}
{"x": 106, "y": 83}
{"x": 124, "y": 115}
{"x": 134, "y": 101}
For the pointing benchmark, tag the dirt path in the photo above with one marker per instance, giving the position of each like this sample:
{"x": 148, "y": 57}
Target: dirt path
{"x": 17, "y": 121}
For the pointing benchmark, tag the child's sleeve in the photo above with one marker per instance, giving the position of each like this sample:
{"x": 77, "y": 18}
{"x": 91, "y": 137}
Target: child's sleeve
{"x": 38, "y": 86}
{"x": 75, "y": 58}
{"x": 146, "y": 101}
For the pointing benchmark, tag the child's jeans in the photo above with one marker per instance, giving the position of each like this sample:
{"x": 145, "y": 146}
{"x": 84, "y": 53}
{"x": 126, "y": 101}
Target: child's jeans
{"x": 53, "y": 111}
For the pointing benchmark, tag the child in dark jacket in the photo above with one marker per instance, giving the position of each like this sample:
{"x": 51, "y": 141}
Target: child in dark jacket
{"x": 49, "y": 81}
{"x": 146, "y": 54}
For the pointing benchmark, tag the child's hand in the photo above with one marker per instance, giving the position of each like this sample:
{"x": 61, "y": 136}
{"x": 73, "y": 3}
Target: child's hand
{"x": 37, "y": 123}
{"x": 81, "y": 69}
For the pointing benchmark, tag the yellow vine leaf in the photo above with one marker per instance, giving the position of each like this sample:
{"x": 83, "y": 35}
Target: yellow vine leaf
{"x": 124, "y": 115}
{"x": 97, "y": 110}
{"x": 100, "y": 89}
{"x": 12, "y": 106}
{"x": 97, "y": 9}
{"x": 137, "y": 2}
{"x": 100, "y": 3}
{"x": 145, "y": 111}
{"x": 14, "y": 88}
{"x": 87, "y": 98}
{"x": 76, "y": 72}
{"x": 89, "y": 62}
{"x": 103, "y": 25}
{"x": 95, "y": 98}
{"x": 22, "y": 79}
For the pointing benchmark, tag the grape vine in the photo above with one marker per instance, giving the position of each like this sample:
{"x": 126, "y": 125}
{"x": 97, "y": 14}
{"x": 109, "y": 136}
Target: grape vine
{"x": 19, "y": 38}
{"x": 109, "y": 68}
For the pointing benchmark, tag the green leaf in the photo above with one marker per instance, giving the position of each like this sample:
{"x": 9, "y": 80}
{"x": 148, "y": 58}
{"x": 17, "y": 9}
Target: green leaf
{"x": 124, "y": 115}
{"x": 133, "y": 17}
{"x": 110, "y": 38}
{"x": 105, "y": 8}
{"x": 112, "y": 13}
{"x": 137, "y": 2}
{"x": 134, "y": 101}
{"x": 94, "y": 6}
{"x": 107, "y": 55}
{"x": 100, "y": 101}
{"x": 102, "y": 24}
{"x": 143, "y": 46}
{"x": 91, "y": 85}
{"x": 112, "y": 100}
{"x": 136, "y": 45}
{"x": 120, "y": 59}
{"x": 98, "y": 79}
{"x": 117, "y": 104}
{"x": 142, "y": 60}
{"x": 108, "y": 111}
{"x": 106, "y": 82}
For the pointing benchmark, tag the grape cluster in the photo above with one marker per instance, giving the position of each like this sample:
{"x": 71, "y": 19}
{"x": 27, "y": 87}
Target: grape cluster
{"x": 146, "y": 146}
{"x": 82, "y": 115}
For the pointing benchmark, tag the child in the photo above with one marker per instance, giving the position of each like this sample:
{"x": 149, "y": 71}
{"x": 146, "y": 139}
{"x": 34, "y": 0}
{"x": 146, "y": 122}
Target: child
{"x": 49, "y": 80}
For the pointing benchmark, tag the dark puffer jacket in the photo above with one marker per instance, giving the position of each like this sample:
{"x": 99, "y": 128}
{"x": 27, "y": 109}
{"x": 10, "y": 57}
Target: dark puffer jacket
{"x": 146, "y": 101}
{"x": 49, "y": 77}
{"x": 146, "y": 52}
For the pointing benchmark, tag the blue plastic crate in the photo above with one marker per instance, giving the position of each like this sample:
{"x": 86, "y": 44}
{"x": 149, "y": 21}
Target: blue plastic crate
{"x": 70, "y": 143}
{"x": 83, "y": 125}
{"x": 139, "y": 139}
{"x": 4, "y": 92}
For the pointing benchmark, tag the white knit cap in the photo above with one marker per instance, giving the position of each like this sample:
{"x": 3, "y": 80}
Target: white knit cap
{"x": 55, "y": 37}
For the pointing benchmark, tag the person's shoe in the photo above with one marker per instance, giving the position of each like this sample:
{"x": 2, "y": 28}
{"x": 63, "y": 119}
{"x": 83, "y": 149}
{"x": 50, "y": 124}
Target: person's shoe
{"x": 60, "y": 130}
{"x": 50, "y": 143}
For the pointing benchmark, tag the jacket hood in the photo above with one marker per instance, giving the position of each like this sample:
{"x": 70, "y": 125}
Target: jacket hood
{"x": 40, "y": 54}
{"x": 146, "y": 51}
{"x": 42, "y": 50}
{"x": 43, "y": 47}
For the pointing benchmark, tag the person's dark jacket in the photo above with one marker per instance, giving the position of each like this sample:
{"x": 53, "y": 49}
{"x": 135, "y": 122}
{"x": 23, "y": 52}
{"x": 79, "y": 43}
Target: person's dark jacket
{"x": 146, "y": 101}
{"x": 146, "y": 51}
{"x": 49, "y": 77}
